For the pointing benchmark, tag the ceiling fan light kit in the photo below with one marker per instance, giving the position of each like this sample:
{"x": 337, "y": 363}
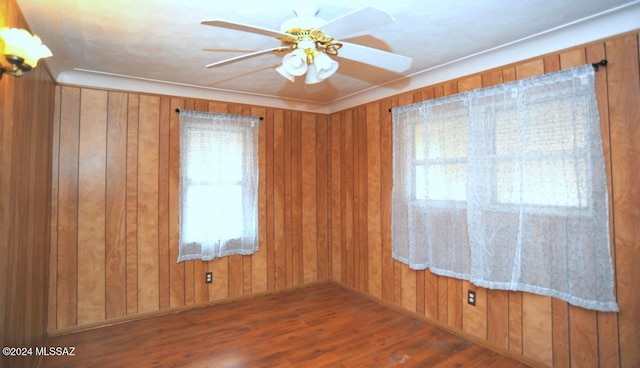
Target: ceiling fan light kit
{"x": 309, "y": 45}
{"x": 309, "y": 56}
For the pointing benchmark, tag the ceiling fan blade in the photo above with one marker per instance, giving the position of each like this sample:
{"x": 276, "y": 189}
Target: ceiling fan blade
{"x": 244, "y": 28}
{"x": 246, "y": 56}
{"x": 368, "y": 55}
{"x": 358, "y": 21}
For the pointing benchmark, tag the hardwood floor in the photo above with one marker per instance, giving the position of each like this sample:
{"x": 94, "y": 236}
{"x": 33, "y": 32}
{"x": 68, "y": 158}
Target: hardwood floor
{"x": 322, "y": 325}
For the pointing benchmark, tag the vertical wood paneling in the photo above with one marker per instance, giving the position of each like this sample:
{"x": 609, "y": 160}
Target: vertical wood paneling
{"x": 272, "y": 267}
{"x": 287, "y": 252}
{"x": 29, "y": 151}
{"x": 537, "y": 342}
{"x": 7, "y": 111}
{"x": 584, "y": 337}
{"x": 336, "y": 198}
{"x": 219, "y": 288}
{"x": 582, "y": 324}
{"x": 355, "y": 214}
{"x": 164, "y": 282}
{"x": 624, "y": 115}
{"x": 454, "y": 304}
{"x": 309, "y": 200}
{"x": 322, "y": 186}
{"x": 116, "y": 167}
{"x": 474, "y": 320}
{"x": 148, "y": 258}
{"x": 386, "y": 179}
{"x": 53, "y": 227}
{"x": 560, "y": 323}
{"x": 176, "y": 270}
{"x": 374, "y": 236}
{"x": 346, "y": 167}
{"x": 361, "y": 213}
{"x": 259, "y": 262}
{"x": 408, "y": 287}
{"x": 132, "y": 205}
{"x": 296, "y": 198}
{"x": 515, "y": 322}
{"x": 92, "y": 206}
{"x": 66, "y": 299}
{"x": 283, "y": 252}
{"x": 236, "y": 276}
{"x": 608, "y": 338}
{"x": 431, "y": 295}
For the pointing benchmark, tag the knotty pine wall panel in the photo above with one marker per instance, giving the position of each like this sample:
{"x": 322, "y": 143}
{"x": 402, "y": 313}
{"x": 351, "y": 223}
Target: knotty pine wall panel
{"x": 26, "y": 113}
{"x": 115, "y": 208}
{"x": 541, "y": 329}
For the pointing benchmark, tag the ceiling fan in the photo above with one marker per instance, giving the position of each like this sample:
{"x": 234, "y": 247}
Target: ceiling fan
{"x": 310, "y": 42}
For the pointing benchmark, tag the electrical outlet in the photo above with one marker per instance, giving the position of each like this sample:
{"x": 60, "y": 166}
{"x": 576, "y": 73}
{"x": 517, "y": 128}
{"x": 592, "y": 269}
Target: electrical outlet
{"x": 208, "y": 277}
{"x": 471, "y": 297}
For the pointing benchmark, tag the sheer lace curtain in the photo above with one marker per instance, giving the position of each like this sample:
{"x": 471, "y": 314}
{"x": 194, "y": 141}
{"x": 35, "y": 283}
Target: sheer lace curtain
{"x": 429, "y": 213}
{"x": 218, "y": 185}
{"x": 506, "y": 187}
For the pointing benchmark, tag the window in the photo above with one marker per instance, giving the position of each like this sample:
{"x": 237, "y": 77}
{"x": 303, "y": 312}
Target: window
{"x": 218, "y": 185}
{"x": 530, "y": 162}
{"x": 506, "y": 187}
{"x": 440, "y": 153}
{"x": 430, "y": 148}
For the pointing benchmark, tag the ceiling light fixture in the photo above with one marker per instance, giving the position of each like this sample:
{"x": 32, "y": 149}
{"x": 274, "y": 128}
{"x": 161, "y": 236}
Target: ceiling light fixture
{"x": 22, "y": 50}
{"x": 310, "y": 55}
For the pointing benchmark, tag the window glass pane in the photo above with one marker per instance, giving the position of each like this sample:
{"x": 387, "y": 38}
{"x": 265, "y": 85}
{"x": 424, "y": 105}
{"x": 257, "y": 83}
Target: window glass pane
{"x": 507, "y": 133}
{"x": 418, "y": 134}
{"x": 447, "y": 182}
{"x": 548, "y": 181}
{"x": 555, "y": 125}
{"x": 201, "y": 221}
{"x": 548, "y": 126}
{"x": 555, "y": 129}
{"x": 448, "y": 138}
{"x": 207, "y": 160}
{"x": 421, "y": 182}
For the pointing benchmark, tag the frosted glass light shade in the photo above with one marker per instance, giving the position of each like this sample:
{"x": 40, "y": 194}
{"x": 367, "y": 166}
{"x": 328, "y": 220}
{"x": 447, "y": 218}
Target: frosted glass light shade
{"x": 312, "y": 75}
{"x": 325, "y": 66}
{"x": 295, "y": 62}
{"x": 21, "y": 43}
{"x": 283, "y": 72}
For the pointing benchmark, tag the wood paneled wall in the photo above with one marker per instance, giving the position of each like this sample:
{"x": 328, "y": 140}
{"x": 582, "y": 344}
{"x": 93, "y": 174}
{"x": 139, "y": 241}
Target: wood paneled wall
{"x": 114, "y": 221}
{"x": 543, "y": 329}
{"x": 26, "y": 112}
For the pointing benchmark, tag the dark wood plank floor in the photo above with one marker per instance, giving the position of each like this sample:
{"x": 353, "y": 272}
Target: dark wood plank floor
{"x": 318, "y": 326}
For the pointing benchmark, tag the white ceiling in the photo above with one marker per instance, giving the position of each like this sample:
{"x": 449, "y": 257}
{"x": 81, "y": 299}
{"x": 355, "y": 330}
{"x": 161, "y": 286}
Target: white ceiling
{"x": 159, "y": 46}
